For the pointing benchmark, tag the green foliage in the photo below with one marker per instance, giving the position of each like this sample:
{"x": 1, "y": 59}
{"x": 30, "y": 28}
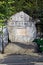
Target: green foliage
{"x": 32, "y": 7}
{"x": 2, "y": 22}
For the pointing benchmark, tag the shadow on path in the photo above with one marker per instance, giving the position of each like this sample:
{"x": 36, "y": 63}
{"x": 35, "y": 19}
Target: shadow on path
{"x": 21, "y": 59}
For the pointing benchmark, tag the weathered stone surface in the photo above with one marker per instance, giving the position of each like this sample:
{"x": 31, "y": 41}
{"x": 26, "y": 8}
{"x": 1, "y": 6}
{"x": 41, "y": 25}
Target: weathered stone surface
{"x": 21, "y": 28}
{"x": 4, "y": 37}
{"x": 20, "y": 48}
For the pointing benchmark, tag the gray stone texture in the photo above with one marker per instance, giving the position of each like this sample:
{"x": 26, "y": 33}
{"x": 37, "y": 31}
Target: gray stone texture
{"x": 3, "y": 36}
{"x": 21, "y": 28}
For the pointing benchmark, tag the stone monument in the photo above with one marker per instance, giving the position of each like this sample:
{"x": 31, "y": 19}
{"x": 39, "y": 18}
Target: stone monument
{"x": 21, "y": 28}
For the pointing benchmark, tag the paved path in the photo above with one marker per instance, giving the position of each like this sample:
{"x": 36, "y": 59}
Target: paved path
{"x": 21, "y": 60}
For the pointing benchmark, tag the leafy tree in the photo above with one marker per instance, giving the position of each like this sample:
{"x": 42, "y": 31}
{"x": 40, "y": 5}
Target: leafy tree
{"x": 32, "y": 7}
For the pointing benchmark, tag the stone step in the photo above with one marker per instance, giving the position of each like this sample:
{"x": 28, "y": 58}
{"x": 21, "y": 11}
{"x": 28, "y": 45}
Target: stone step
{"x": 20, "y": 48}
